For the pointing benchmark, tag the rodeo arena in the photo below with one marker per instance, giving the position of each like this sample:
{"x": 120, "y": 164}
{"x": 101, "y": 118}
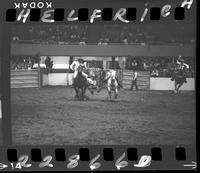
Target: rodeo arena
{"x": 103, "y": 84}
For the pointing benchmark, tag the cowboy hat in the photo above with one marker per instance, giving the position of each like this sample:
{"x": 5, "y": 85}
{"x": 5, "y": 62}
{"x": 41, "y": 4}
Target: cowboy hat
{"x": 80, "y": 60}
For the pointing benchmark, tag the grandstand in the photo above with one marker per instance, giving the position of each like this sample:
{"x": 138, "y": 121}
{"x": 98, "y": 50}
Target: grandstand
{"x": 154, "y": 47}
{"x": 105, "y": 34}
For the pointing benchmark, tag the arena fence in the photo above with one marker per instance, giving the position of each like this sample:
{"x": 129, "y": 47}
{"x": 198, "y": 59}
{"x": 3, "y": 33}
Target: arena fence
{"x": 24, "y": 78}
{"x": 143, "y": 79}
{"x": 37, "y": 78}
{"x": 125, "y": 78}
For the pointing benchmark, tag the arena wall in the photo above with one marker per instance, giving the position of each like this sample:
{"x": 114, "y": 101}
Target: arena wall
{"x": 44, "y": 79}
{"x": 166, "y": 84}
{"x": 65, "y": 79}
{"x": 108, "y": 50}
{"x": 57, "y": 79}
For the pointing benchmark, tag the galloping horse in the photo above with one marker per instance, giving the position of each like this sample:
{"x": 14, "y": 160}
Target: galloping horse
{"x": 179, "y": 78}
{"x": 80, "y": 84}
{"x": 110, "y": 79}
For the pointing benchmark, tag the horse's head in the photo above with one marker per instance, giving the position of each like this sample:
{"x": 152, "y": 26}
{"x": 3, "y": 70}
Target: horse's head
{"x": 80, "y": 68}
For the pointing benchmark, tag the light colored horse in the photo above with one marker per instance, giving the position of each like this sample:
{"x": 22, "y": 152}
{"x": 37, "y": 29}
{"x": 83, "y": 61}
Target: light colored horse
{"x": 112, "y": 84}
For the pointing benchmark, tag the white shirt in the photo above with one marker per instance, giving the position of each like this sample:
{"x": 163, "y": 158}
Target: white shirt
{"x": 74, "y": 66}
{"x": 135, "y": 75}
{"x": 182, "y": 65}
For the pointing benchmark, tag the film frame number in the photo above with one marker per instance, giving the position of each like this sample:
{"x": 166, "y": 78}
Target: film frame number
{"x": 73, "y": 161}
{"x": 95, "y": 165}
{"x": 144, "y": 161}
{"x": 121, "y": 164}
{"x": 46, "y": 162}
{"x": 22, "y": 162}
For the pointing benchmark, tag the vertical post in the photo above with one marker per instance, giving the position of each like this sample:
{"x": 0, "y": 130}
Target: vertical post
{"x": 104, "y": 63}
{"x": 39, "y": 71}
{"x": 113, "y": 62}
{"x": 149, "y": 79}
{"x": 71, "y": 58}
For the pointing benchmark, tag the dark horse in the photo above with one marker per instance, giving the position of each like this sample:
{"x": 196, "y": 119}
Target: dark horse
{"x": 179, "y": 77}
{"x": 80, "y": 84}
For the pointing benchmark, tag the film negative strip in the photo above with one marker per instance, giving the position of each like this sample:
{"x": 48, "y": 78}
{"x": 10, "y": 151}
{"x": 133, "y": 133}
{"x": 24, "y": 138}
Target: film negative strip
{"x": 90, "y": 85}
{"x": 98, "y": 158}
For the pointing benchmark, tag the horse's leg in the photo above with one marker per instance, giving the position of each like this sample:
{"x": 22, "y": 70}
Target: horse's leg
{"x": 178, "y": 87}
{"x": 99, "y": 87}
{"x": 91, "y": 90}
{"x": 80, "y": 95}
{"x": 109, "y": 92}
{"x": 175, "y": 90}
{"x": 84, "y": 91}
{"x": 76, "y": 91}
{"x": 116, "y": 90}
{"x": 116, "y": 94}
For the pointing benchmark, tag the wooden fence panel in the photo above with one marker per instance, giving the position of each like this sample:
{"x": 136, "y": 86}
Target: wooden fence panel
{"x": 143, "y": 79}
{"x": 24, "y": 78}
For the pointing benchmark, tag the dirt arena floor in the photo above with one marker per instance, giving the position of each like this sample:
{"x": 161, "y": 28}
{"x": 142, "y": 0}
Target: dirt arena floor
{"x": 51, "y": 116}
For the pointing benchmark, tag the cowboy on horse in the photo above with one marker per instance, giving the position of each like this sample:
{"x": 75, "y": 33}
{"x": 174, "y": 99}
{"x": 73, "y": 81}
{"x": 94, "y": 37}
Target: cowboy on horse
{"x": 181, "y": 67}
{"x": 81, "y": 79}
{"x": 80, "y": 62}
{"x": 179, "y": 74}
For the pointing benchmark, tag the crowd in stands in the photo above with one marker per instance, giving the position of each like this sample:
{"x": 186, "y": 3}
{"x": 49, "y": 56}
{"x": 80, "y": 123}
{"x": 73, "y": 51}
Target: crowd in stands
{"x": 105, "y": 34}
{"x": 158, "y": 66}
{"x": 23, "y": 62}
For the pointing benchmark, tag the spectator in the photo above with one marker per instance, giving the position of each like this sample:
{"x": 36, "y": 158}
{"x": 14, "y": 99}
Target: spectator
{"x": 48, "y": 63}
{"x": 134, "y": 64}
{"x": 134, "y": 80}
{"x": 155, "y": 73}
